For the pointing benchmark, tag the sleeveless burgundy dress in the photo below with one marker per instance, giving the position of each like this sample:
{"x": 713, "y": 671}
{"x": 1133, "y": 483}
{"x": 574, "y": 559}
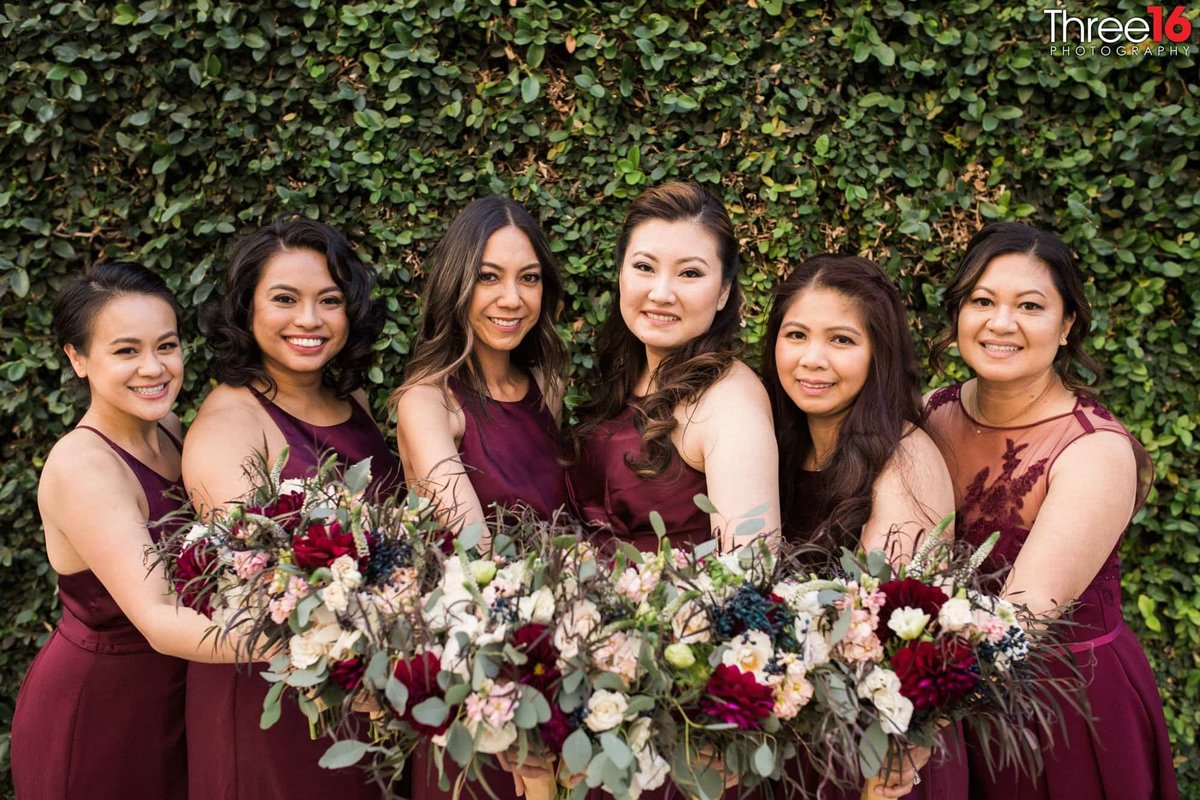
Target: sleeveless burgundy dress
{"x": 1001, "y": 477}
{"x": 100, "y": 713}
{"x": 945, "y": 776}
{"x": 606, "y": 492}
{"x": 511, "y": 454}
{"x": 229, "y": 756}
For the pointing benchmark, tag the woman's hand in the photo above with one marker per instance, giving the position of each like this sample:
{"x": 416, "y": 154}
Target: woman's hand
{"x": 534, "y": 767}
{"x": 900, "y": 775}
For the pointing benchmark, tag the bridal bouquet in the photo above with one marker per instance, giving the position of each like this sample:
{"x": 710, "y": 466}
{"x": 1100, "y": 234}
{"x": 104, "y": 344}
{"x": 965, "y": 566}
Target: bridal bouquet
{"x": 310, "y": 570}
{"x": 919, "y": 648}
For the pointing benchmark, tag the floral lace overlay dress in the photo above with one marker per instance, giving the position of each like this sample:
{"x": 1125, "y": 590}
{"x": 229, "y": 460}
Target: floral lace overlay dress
{"x": 1001, "y": 477}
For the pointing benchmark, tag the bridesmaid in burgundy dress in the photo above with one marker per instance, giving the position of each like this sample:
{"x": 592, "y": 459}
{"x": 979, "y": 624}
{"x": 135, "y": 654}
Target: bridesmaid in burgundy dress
{"x": 1034, "y": 456}
{"x": 478, "y": 411}
{"x": 673, "y": 413}
{"x": 100, "y": 713}
{"x": 855, "y": 468}
{"x": 293, "y": 337}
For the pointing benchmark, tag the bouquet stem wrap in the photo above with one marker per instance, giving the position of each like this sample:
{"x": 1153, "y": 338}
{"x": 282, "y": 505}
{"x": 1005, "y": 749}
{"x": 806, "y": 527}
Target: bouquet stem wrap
{"x": 868, "y": 792}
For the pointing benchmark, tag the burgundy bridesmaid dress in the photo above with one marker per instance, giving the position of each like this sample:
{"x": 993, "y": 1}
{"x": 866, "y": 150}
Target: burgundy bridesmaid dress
{"x": 607, "y": 492}
{"x": 945, "y": 776}
{"x": 230, "y": 757}
{"x": 100, "y": 713}
{"x": 1001, "y": 477}
{"x": 511, "y": 454}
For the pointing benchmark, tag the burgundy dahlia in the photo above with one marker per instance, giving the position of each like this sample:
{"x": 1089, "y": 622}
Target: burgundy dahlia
{"x": 541, "y": 670}
{"x": 194, "y": 562}
{"x": 908, "y": 593}
{"x": 419, "y": 676}
{"x": 348, "y": 673}
{"x": 934, "y": 675}
{"x": 321, "y": 545}
{"x": 734, "y": 696}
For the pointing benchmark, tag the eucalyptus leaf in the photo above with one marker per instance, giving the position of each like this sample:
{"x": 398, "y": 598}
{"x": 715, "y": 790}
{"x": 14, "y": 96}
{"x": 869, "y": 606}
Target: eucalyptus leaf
{"x": 657, "y": 524}
{"x": 577, "y": 751}
{"x": 764, "y": 760}
{"x": 459, "y": 743}
{"x": 397, "y": 694}
{"x": 431, "y": 711}
{"x": 616, "y": 749}
{"x": 872, "y": 749}
{"x": 358, "y": 477}
{"x": 345, "y": 753}
{"x": 704, "y": 504}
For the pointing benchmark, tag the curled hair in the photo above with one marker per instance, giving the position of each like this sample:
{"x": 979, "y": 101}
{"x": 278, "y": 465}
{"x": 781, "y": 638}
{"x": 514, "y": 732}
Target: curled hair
{"x": 445, "y": 345}
{"x": 887, "y": 407}
{"x": 1003, "y": 238}
{"x": 81, "y": 299}
{"x": 684, "y": 375}
{"x": 228, "y": 323}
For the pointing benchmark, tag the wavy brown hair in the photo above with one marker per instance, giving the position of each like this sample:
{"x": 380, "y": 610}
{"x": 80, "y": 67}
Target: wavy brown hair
{"x": 684, "y": 375}
{"x": 1004, "y": 238}
{"x": 445, "y": 345}
{"x": 888, "y": 406}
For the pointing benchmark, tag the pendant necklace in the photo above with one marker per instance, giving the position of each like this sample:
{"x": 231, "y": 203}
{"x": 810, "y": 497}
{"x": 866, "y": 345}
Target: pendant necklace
{"x": 979, "y": 415}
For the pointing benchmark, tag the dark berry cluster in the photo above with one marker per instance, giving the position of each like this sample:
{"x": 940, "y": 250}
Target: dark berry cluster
{"x": 504, "y": 608}
{"x": 751, "y": 610}
{"x": 387, "y": 554}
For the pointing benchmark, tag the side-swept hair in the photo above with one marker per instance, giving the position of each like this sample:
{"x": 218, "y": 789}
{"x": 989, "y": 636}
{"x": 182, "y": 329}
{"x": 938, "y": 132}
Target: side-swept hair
{"x": 1003, "y": 238}
{"x": 888, "y": 406}
{"x": 227, "y": 323}
{"x": 81, "y": 299}
{"x": 684, "y": 375}
{"x": 445, "y": 345}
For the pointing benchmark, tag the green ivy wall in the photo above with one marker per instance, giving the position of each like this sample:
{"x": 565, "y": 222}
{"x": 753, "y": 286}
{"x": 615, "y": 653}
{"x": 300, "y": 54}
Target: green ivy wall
{"x": 160, "y": 131}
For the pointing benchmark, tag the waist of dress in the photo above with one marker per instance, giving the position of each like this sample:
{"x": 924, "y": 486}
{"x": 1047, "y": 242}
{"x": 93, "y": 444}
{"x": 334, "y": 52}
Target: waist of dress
{"x": 124, "y": 639}
{"x": 1098, "y": 641}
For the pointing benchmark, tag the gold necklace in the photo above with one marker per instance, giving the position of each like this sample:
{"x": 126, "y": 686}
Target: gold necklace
{"x": 981, "y": 417}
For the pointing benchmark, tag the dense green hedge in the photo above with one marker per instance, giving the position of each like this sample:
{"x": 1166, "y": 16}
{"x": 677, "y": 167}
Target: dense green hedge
{"x": 161, "y": 130}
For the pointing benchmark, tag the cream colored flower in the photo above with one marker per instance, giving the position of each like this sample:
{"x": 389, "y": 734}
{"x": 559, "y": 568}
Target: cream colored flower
{"x": 606, "y": 710}
{"x": 908, "y": 623}
{"x": 955, "y": 614}
{"x": 690, "y": 624}
{"x": 345, "y": 571}
{"x": 575, "y": 627}
{"x": 750, "y": 652}
{"x": 538, "y": 607}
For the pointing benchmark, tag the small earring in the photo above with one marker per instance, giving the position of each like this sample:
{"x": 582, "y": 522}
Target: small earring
{"x": 1063, "y": 343}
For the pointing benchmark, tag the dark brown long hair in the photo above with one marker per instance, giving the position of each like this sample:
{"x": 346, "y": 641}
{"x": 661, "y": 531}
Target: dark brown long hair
{"x": 684, "y": 375}
{"x": 888, "y": 406}
{"x": 445, "y": 344}
{"x": 1004, "y": 238}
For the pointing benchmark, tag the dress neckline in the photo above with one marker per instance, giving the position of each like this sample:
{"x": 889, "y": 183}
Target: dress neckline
{"x": 121, "y": 450}
{"x": 458, "y": 386}
{"x": 262, "y": 398}
{"x": 963, "y": 407}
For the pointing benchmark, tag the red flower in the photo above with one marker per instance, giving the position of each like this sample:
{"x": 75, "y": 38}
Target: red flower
{"x": 419, "y": 676}
{"x": 541, "y": 670}
{"x": 321, "y": 545}
{"x": 735, "y": 696}
{"x": 908, "y": 593}
{"x": 193, "y": 564}
{"x": 348, "y": 674}
{"x": 934, "y": 675}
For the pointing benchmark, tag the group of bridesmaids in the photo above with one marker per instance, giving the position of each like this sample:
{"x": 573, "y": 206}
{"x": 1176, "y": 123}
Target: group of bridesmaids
{"x": 833, "y": 445}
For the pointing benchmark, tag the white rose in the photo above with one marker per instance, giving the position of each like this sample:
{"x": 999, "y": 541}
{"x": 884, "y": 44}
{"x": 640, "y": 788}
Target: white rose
{"x": 750, "y": 652}
{"x": 195, "y": 534}
{"x": 575, "y": 626}
{"x": 345, "y": 571}
{"x": 314, "y": 644}
{"x": 908, "y": 623}
{"x": 955, "y": 614}
{"x": 814, "y": 647}
{"x": 690, "y": 624}
{"x": 514, "y": 574}
{"x": 335, "y": 598}
{"x": 606, "y": 709}
{"x": 489, "y": 739}
{"x": 454, "y": 603}
{"x": 538, "y": 607}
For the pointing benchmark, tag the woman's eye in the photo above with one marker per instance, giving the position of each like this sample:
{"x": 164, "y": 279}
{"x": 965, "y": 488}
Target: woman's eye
{"x": 532, "y": 277}
{"x": 691, "y": 273}
{"x": 642, "y": 266}
{"x": 283, "y": 298}
{"x": 842, "y": 340}
{"x": 487, "y": 277}
{"x": 795, "y": 336}
{"x": 126, "y": 351}
{"x": 169, "y": 346}
{"x": 981, "y": 301}
{"x": 1029, "y": 305}
{"x": 332, "y": 301}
